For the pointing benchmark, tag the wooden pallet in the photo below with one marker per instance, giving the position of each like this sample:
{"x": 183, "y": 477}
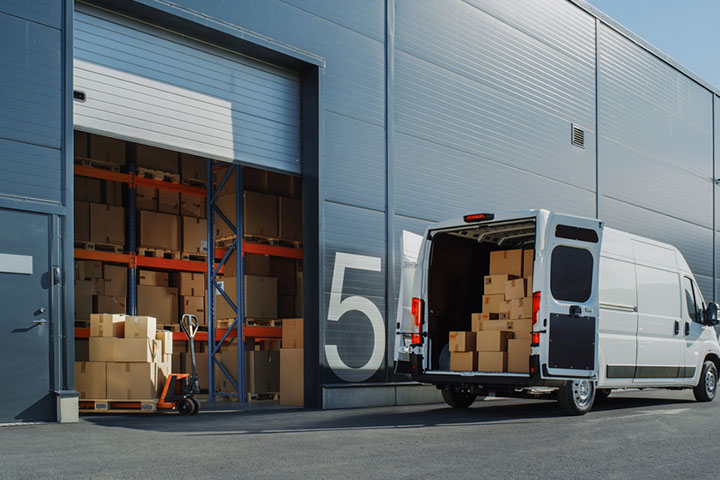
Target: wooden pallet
{"x": 158, "y": 175}
{"x": 271, "y": 241}
{"x": 100, "y": 247}
{"x": 118, "y": 406}
{"x": 263, "y": 322}
{"x": 173, "y": 327}
{"x": 102, "y": 164}
{"x": 224, "y": 323}
{"x": 195, "y": 257}
{"x": 259, "y": 397}
{"x": 193, "y": 182}
{"x": 159, "y": 253}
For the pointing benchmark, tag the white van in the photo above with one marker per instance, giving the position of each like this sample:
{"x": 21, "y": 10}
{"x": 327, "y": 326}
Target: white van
{"x": 610, "y": 310}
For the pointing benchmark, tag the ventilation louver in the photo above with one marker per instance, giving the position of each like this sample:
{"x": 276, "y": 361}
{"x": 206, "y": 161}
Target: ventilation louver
{"x": 578, "y": 136}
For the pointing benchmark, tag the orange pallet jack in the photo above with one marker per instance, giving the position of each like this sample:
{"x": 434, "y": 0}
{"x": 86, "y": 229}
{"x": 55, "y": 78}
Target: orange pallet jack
{"x": 180, "y": 388}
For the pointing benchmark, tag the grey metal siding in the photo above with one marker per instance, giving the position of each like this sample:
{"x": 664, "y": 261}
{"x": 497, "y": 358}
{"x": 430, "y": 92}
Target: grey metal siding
{"x": 47, "y": 12}
{"x": 153, "y": 87}
{"x": 655, "y": 150}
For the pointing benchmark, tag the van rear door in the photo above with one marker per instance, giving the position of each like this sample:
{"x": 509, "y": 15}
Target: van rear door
{"x": 570, "y": 297}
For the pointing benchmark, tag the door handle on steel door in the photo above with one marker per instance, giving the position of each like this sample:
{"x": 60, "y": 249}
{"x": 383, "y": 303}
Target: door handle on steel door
{"x": 687, "y": 328}
{"x": 677, "y": 327}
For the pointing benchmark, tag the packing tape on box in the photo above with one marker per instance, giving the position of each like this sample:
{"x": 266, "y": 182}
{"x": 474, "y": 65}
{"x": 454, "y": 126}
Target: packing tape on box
{"x": 127, "y": 368}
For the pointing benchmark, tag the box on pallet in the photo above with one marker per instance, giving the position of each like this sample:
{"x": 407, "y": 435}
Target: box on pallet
{"x": 158, "y": 302}
{"x": 462, "y": 341}
{"x": 101, "y": 349}
{"x": 194, "y": 237}
{"x": 107, "y": 224}
{"x": 137, "y": 350}
{"x": 493, "y": 340}
{"x": 194, "y": 306}
{"x": 98, "y": 286}
{"x": 192, "y": 206}
{"x": 87, "y": 189}
{"x": 107, "y": 304}
{"x": 292, "y": 376}
{"x": 506, "y": 262}
{"x": 140, "y": 327}
{"x": 495, "y": 362}
{"x": 88, "y": 270}
{"x": 107, "y": 325}
{"x": 113, "y": 193}
{"x": 166, "y": 339}
{"x": 132, "y": 381}
{"x": 189, "y": 284}
{"x": 90, "y": 380}
{"x": 168, "y": 202}
{"x": 159, "y": 230}
{"x": 290, "y": 219}
{"x": 146, "y": 198}
{"x": 149, "y": 277}
{"x": 292, "y": 333}
{"x": 518, "y": 355}
{"x": 115, "y": 281}
{"x": 262, "y": 370}
{"x": 463, "y": 361}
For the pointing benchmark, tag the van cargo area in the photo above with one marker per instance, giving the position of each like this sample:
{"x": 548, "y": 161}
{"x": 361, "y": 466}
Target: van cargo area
{"x": 479, "y": 298}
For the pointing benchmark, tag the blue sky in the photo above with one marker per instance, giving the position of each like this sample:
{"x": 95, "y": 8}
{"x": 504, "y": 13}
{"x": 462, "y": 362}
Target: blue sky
{"x": 688, "y": 31}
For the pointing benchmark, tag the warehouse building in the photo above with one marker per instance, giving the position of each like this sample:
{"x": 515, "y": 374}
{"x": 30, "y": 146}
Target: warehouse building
{"x": 370, "y": 119}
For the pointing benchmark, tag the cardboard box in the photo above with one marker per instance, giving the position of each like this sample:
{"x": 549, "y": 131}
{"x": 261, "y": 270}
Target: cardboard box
{"x": 522, "y": 328}
{"x": 163, "y": 372}
{"x": 83, "y": 299}
{"x": 101, "y": 349}
{"x": 158, "y": 302}
{"x": 189, "y": 284}
{"x": 98, "y": 286}
{"x": 463, "y": 361}
{"x": 518, "y": 357}
{"x": 495, "y": 325}
{"x": 193, "y": 306}
{"x": 529, "y": 285}
{"x": 176, "y": 360}
{"x": 107, "y": 304}
{"x": 260, "y": 297}
{"x": 166, "y": 339}
{"x": 270, "y": 344}
{"x": 80, "y": 144}
{"x": 180, "y": 346}
{"x": 113, "y": 193}
{"x": 194, "y": 237}
{"x": 132, "y": 381}
{"x": 87, "y": 189}
{"x": 528, "y": 261}
{"x": 168, "y": 202}
{"x": 495, "y": 284}
{"x": 515, "y": 289}
{"x": 107, "y": 325}
{"x": 508, "y": 262}
{"x": 137, "y": 350}
{"x": 107, "y": 149}
{"x": 257, "y": 265}
{"x": 82, "y": 350}
{"x": 81, "y": 227}
{"x": 290, "y": 219}
{"x": 115, "y": 280}
{"x": 262, "y": 371}
{"x": 90, "y": 380}
{"x": 146, "y": 198}
{"x": 107, "y": 224}
{"x": 493, "y": 340}
{"x": 157, "y": 159}
{"x": 159, "y": 230}
{"x": 88, "y": 270}
{"x": 284, "y": 270}
{"x": 140, "y": 327}
{"x": 494, "y": 362}
{"x": 521, "y": 308}
{"x": 292, "y": 333}
{"x": 149, "y": 277}
{"x": 478, "y": 319}
{"x": 192, "y": 206}
{"x": 192, "y": 166}
{"x": 292, "y": 377}
{"x": 260, "y": 214}
{"x": 494, "y": 304}
{"x": 462, "y": 341}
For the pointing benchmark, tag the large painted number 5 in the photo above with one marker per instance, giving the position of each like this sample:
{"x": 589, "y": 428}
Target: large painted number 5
{"x": 338, "y": 307}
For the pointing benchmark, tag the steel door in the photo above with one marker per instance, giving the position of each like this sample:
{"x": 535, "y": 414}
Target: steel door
{"x": 26, "y": 286}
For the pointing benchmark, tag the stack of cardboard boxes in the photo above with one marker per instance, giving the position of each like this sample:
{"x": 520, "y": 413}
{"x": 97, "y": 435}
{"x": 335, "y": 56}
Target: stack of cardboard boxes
{"x": 99, "y": 288}
{"x": 291, "y": 363}
{"x": 500, "y": 336}
{"x": 128, "y": 359}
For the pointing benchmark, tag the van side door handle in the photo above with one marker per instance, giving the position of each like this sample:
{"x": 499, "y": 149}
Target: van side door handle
{"x": 687, "y": 328}
{"x": 677, "y": 327}
{"x": 575, "y": 311}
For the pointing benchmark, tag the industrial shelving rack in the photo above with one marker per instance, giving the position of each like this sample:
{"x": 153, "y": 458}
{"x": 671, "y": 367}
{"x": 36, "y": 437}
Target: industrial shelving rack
{"x": 215, "y": 337}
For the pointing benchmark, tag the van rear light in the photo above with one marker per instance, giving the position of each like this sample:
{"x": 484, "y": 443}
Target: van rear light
{"x": 535, "y": 342}
{"x": 535, "y": 312}
{"x": 478, "y": 217}
{"x": 417, "y": 308}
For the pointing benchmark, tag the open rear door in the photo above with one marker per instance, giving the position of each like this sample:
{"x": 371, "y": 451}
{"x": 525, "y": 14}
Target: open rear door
{"x": 570, "y": 297}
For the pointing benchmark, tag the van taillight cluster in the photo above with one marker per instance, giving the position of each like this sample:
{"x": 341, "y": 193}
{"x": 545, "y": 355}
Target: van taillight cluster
{"x": 535, "y": 310}
{"x": 417, "y": 312}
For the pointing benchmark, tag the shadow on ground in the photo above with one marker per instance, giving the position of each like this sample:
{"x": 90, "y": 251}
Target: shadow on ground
{"x": 274, "y": 421}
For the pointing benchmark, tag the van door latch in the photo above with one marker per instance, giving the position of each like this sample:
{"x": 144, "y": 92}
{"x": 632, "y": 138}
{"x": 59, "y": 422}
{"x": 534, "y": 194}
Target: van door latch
{"x": 575, "y": 311}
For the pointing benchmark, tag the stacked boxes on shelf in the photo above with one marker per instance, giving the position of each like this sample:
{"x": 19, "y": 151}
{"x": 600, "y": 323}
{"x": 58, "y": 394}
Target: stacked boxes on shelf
{"x": 128, "y": 359}
{"x": 291, "y": 363}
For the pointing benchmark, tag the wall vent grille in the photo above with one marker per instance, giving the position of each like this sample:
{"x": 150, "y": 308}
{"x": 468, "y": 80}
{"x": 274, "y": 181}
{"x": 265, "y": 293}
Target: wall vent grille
{"x": 577, "y": 136}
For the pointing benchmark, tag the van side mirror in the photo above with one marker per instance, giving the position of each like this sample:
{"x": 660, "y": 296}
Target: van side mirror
{"x": 711, "y": 314}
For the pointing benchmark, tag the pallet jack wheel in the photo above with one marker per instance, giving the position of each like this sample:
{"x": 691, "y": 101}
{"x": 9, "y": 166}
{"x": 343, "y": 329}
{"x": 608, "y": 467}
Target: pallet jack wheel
{"x": 186, "y": 406}
{"x": 196, "y": 402}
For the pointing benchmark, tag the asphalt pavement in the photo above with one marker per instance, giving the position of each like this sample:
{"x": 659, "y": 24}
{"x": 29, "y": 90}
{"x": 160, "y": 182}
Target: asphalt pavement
{"x": 651, "y": 434}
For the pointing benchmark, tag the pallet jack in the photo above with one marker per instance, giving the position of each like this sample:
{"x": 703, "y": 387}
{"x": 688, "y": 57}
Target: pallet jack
{"x": 180, "y": 388}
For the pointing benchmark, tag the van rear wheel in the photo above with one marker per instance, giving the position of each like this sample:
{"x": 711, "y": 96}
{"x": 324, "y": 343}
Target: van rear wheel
{"x": 458, "y": 399}
{"x": 576, "y": 397}
{"x": 706, "y": 388}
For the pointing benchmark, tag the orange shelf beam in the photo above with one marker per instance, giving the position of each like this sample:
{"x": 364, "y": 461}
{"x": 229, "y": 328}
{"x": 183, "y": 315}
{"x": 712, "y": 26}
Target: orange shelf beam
{"x": 92, "y": 172}
{"x": 169, "y": 186}
{"x": 272, "y": 250}
{"x": 170, "y": 264}
{"x": 125, "y": 258}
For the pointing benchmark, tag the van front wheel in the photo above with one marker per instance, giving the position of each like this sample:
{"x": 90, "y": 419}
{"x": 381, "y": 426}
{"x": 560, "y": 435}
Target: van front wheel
{"x": 458, "y": 399}
{"x": 706, "y": 388}
{"x": 576, "y": 397}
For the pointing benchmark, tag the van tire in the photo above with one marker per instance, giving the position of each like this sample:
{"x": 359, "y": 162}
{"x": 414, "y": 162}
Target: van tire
{"x": 706, "y": 388}
{"x": 458, "y": 399}
{"x": 576, "y": 397}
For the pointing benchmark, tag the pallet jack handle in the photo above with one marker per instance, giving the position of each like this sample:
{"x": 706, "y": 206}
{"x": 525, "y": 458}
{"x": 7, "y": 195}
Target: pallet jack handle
{"x": 189, "y": 325}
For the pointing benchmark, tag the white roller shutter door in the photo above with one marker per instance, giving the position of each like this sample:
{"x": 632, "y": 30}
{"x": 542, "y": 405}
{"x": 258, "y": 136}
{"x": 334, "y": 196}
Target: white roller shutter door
{"x": 151, "y": 86}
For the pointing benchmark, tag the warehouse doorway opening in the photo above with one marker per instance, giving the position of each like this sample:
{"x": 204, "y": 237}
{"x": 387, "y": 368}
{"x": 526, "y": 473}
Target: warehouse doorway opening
{"x": 141, "y": 249}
